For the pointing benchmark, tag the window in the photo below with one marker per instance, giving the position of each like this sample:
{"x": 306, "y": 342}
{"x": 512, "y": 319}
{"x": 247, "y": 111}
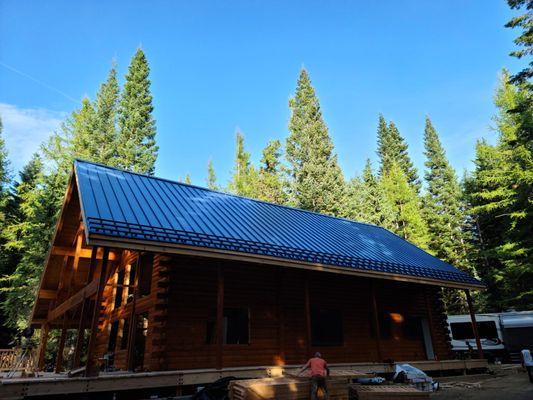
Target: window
{"x": 125, "y": 334}
{"x": 412, "y": 328}
{"x": 235, "y": 325}
{"x": 120, "y": 288}
{"x": 463, "y": 330}
{"x": 113, "y": 331}
{"x": 146, "y": 263}
{"x": 326, "y": 327}
{"x": 131, "y": 281}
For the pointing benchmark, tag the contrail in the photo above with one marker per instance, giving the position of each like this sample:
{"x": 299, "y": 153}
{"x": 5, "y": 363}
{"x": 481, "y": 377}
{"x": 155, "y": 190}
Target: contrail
{"x": 39, "y": 82}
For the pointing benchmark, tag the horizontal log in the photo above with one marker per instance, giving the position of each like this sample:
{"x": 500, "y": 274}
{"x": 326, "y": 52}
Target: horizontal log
{"x": 84, "y": 253}
{"x": 47, "y": 294}
{"x": 73, "y": 301}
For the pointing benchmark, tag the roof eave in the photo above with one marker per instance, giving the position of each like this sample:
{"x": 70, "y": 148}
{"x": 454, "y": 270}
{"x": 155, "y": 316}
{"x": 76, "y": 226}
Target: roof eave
{"x": 142, "y": 245}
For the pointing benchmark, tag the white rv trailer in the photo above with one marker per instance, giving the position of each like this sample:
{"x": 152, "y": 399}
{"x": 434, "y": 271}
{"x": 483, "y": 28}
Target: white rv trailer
{"x": 502, "y": 335}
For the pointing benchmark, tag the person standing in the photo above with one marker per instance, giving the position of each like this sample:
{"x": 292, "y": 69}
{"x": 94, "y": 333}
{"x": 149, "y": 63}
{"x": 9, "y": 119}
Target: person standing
{"x": 527, "y": 362}
{"x": 319, "y": 371}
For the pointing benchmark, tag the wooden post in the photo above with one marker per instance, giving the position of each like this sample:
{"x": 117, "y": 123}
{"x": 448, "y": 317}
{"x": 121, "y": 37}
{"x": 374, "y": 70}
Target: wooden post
{"x": 307, "y": 315}
{"x": 375, "y": 318}
{"x": 42, "y": 346}
{"x": 133, "y": 318}
{"x": 61, "y": 346}
{"x": 81, "y": 324}
{"x": 281, "y": 317}
{"x": 430, "y": 322}
{"x": 474, "y": 323}
{"x": 91, "y": 369}
{"x": 220, "y": 318}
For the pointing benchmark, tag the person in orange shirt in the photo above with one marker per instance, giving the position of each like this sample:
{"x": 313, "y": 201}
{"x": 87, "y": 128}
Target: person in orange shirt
{"x": 319, "y": 371}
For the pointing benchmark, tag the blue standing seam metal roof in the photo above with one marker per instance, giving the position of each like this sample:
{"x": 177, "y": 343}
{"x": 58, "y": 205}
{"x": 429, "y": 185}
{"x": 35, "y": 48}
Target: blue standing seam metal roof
{"x": 122, "y": 204}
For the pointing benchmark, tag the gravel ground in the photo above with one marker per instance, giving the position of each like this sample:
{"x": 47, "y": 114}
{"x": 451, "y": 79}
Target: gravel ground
{"x": 513, "y": 386}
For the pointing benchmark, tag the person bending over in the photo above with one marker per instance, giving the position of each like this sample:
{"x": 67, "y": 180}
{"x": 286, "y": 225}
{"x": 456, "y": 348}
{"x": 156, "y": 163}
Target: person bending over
{"x": 319, "y": 371}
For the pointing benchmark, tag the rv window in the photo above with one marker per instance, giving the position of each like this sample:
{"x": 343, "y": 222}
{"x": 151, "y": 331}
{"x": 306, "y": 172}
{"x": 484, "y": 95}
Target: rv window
{"x": 463, "y": 330}
{"x": 236, "y": 327}
{"x": 326, "y": 327}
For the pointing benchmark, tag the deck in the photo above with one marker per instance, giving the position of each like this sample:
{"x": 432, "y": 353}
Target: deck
{"x": 55, "y": 384}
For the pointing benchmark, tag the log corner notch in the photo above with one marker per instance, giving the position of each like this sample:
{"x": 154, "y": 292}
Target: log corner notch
{"x": 474, "y": 323}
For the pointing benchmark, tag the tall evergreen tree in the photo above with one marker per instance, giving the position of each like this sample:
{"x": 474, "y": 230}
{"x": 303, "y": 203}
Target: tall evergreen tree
{"x": 29, "y": 235}
{"x": 136, "y": 146}
{"x": 407, "y": 222}
{"x": 499, "y": 192}
{"x": 443, "y": 204}
{"x": 5, "y": 177}
{"x": 106, "y": 113}
{"x": 317, "y": 181}
{"x": 366, "y": 200}
{"x": 244, "y": 179}
{"x": 270, "y": 183}
{"x": 525, "y": 40}
{"x": 211, "y": 176}
{"x": 393, "y": 148}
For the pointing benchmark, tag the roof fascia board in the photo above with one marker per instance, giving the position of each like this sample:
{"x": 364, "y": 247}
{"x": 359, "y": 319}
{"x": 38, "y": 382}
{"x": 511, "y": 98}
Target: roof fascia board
{"x": 133, "y": 244}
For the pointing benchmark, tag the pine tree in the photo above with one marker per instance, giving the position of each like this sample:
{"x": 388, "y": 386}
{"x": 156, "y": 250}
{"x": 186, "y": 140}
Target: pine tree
{"x": 271, "y": 187}
{"x": 5, "y": 177}
{"x": 525, "y": 40}
{"x": 407, "y": 221}
{"x": 366, "y": 200}
{"x": 211, "y": 176}
{"x": 29, "y": 235}
{"x": 392, "y": 148}
{"x": 106, "y": 112}
{"x": 244, "y": 178}
{"x": 136, "y": 146}
{"x": 443, "y": 204}
{"x": 499, "y": 192}
{"x": 317, "y": 181}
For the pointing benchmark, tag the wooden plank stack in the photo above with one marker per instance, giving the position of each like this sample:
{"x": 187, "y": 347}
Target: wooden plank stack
{"x": 292, "y": 388}
{"x": 386, "y": 392}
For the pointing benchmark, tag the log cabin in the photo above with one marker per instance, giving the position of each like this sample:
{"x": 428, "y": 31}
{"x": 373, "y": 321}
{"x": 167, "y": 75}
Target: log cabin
{"x": 156, "y": 275}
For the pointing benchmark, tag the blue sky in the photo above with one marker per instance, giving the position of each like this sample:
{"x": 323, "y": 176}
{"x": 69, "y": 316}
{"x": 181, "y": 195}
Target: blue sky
{"x": 217, "y": 66}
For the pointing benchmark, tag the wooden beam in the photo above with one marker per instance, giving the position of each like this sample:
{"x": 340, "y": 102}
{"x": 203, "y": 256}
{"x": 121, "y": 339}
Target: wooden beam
{"x": 281, "y": 316}
{"x": 375, "y": 314}
{"x": 83, "y": 253}
{"x": 73, "y": 300}
{"x": 130, "y": 357}
{"x": 307, "y": 315}
{"x": 81, "y": 324}
{"x": 429, "y": 309}
{"x": 474, "y": 323}
{"x": 61, "y": 348}
{"x": 42, "y": 346}
{"x": 220, "y": 317}
{"x": 92, "y": 369}
{"x": 47, "y": 294}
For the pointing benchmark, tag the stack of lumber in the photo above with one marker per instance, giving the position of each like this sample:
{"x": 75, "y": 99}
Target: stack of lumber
{"x": 286, "y": 388}
{"x": 386, "y": 392}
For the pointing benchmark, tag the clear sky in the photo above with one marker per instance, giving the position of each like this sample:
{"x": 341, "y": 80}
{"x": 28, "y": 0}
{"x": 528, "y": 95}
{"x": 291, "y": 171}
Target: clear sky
{"x": 221, "y": 65}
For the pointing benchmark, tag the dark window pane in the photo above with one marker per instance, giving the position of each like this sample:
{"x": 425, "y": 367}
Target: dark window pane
{"x": 146, "y": 264}
{"x": 112, "y": 337}
{"x": 463, "y": 330}
{"x": 326, "y": 327}
{"x": 120, "y": 288}
{"x": 125, "y": 334}
{"x": 236, "y": 327}
{"x": 412, "y": 328}
{"x": 133, "y": 274}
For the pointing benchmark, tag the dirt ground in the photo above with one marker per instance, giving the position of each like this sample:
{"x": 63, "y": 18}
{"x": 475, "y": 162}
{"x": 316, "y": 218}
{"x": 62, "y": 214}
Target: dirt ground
{"x": 512, "y": 386}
